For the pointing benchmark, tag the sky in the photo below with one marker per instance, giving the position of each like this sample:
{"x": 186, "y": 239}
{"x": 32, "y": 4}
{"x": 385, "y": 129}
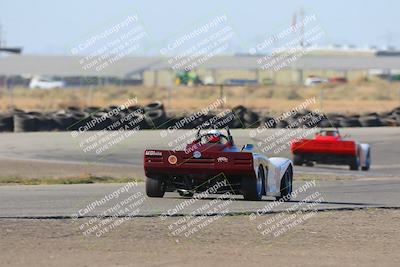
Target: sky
{"x": 54, "y": 27}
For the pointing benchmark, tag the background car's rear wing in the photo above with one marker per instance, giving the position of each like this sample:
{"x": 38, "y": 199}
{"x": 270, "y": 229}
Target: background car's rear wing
{"x": 319, "y": 146}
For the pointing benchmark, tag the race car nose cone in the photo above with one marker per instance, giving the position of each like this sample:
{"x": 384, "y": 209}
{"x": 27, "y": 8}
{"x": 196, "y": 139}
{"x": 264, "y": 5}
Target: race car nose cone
{"x": 172, "y": 159}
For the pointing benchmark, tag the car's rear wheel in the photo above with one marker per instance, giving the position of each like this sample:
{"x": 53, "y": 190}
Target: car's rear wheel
{"x": 354, "y": 163}
{"x": 309, "y": 164}
{"x": 286, "y": 185}
{"x": 297, "y": 160}
{"x": 252, "y": 188}
{"x": 155, "y": 186}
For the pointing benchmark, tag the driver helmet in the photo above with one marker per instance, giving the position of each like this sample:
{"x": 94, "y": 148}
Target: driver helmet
{"x": 214, "y": 136}
{"x": 331, "y": 133}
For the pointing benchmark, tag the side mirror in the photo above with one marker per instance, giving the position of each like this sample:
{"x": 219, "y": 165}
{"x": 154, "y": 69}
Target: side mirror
{"x": 248, "y": 147}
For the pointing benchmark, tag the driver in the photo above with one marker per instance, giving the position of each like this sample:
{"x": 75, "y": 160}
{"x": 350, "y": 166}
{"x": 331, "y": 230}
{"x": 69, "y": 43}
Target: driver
{"x": 214, "y": 137}
{"x": 331, "y": 133}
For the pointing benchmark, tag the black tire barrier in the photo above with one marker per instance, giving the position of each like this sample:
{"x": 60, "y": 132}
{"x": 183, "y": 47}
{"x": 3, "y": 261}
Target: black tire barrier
{"x": 335, "y": 123}
{"x": 112, "y": 107}
{"x": 134, "y": 121}
{"x": 251, "y": 119}
{"x": 81, "y": 122}
{"x": 236, "y": 123}
{"x": 156, "y": 119}
{"x": 25, "y": 123}
{"x": 349, "y": 122}
{"x": 101, "y": 121}
{"x": 90, "y": 110}
{"x": 291, "y": 121}
{"x": 370, "y": 114}
{"x": 16, "y": 111}
{"x": 6, "y": 122}
{"x": 62, "y": 122}
{"x": 309, "y": 120}
{"x": 282, "y": 124}
{"x": 331, "y": 115}
{"x": 157, "y": 105}
{"x": 370, "y": 121}
{"x": 268, "y": 122}
{"x": 5, "y": 128}
{"x": 396, "y": 109}
{"x": 136, "y": 108}
{"x": 239, "y": 111}
{"x": 175, "y": 123}
{"x": 390, "y": 121}
{"x": 397, "y": 117}
{"x": 153, "y": 116}
{"x": 46, "y": 123}
{"x": 324, "y": 123}
{"x": 79, "y": 119}
{"x": 34, "y": 113}
{"x": 384, "y": 114}
{"x": 73, "y": 109}
{"x": 197, "y": 122}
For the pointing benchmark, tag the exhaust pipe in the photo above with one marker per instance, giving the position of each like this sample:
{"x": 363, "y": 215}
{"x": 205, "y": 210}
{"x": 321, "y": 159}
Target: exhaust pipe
{"x": 185, "y": 193}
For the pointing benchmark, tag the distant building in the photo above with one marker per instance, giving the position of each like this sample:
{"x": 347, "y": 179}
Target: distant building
{"x": 156, "y": 71}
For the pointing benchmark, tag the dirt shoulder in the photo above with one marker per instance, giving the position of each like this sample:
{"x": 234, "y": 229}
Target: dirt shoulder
{"x": 25, "y": 168}
{"x": 346, "y": 238}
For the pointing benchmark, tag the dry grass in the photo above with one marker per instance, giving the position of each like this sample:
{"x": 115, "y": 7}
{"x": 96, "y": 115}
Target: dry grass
{"x": 351, "y": 97}
{"x": 80, "y": 179}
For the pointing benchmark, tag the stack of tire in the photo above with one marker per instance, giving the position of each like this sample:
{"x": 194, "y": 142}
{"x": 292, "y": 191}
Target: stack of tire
{"x": 370, "y": 120}
{"x": 156, "y": 117}
{"x": 6, "y": 122}
{"x": 394, "y": 116}
{"x": 304, "y": 118}
{"x": 112, "y": 118}
{"x": 35, "y": 121}
{"x": 134, "y": 118}
{"x": 26, "y": 122}
{"x": 244, "y": 118}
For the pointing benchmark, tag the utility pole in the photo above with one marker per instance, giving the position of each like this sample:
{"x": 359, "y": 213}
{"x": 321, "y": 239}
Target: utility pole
{"x": 13, "y": 50}
{"x": 8, "y": 85}
{"x": 10, "y": 89}
{"x": 302, "y": 28}
{"x": 321, "y": 99}
{"x": 221, "y": 94}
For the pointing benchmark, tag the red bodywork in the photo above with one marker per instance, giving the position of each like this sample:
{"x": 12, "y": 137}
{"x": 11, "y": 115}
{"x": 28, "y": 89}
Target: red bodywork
{"x": 325, "y": 145}
{"x": 213, "y": 160}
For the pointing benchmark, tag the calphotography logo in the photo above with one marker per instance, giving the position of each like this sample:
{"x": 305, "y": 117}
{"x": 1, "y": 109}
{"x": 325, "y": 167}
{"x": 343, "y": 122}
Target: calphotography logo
{"x": 110, "y": 45}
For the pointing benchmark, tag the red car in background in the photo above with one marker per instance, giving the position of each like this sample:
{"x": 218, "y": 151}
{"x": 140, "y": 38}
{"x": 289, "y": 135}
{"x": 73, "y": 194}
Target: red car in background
{"x": 329, "y": 147}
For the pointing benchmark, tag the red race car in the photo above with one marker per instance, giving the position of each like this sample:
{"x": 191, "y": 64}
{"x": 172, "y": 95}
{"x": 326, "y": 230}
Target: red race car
{"x": 212, "y": 160}
{"x": 329, "y": 147}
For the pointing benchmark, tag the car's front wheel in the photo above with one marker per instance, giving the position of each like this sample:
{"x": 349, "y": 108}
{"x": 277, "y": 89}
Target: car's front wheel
{"x": 155, "y": 186}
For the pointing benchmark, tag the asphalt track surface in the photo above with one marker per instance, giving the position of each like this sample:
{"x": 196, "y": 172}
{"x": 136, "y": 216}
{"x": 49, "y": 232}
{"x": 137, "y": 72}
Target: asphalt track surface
{"x": 380, "y": 187}
{"x": 53, "y": 146}
{"x": 59, "y": 201}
